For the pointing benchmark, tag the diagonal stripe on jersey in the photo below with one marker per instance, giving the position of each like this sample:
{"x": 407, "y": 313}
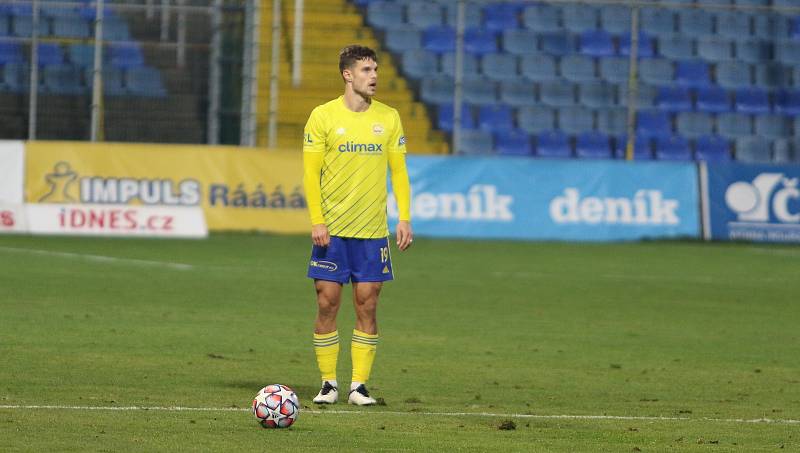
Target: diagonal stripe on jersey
{"x": 339, "y": 172}
{"x": 332, "y": 194}
{"x": 355, "y": 205}
{"x": 357, "y": 217}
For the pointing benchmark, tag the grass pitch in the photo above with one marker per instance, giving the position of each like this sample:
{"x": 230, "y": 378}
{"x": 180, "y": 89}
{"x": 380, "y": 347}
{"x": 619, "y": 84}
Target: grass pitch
{"x": 680, "y": 346}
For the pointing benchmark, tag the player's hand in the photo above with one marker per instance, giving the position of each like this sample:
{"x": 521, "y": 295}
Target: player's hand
{"x": 319, "y": 235}
{"x": 404, "y": 235}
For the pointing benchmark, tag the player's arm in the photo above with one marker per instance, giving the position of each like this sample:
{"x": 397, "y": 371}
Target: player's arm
{"x": 401, "y": 186}
{"x": 313, "y": 155}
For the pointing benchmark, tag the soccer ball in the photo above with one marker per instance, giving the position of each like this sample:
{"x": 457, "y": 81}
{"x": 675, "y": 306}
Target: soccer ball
{"x": 276, "y": 406}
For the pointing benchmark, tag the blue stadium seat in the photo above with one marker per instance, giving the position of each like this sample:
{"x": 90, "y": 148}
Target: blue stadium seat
{"x": 521, "y": 42}
{"x": 695, "y": 22}
{"x": 55, "y": 11}
{"x": 62, "y": 79}
{"x": 596, "y": 43}
{"x": 499, "y": 66}
{"x": 439, "y": 39}
{"x": 70, "y": 27}
{"x": 127, "y": 55}
{"x": 734, "y": 125}
{"x": 694, "y": 124}
{"x": 658, "y": 21}
{"x": 714, "y": 48}
{"x": 593, "y": 145}
{"x": 500, "y": 16}
{"x": 787, "y": 52}
{"x": 772, "y": 126}
{"x": 479, "y": 41}
{"x": 712, "y": 148}
{"x": 579, "y": 17}
{"x": 513, "y": 143}
{"x": 712, "y": 99}
{"x": 771, "y": 27}
{"x": 472, "y": 16}
{"x": 752, "y": 2}
{"x": 713, "y": 2}
{"x": 81, "y": 54}
{"x": 423, "y": 14}
{"x": 495, "y": 118}
{"x": 10, "y": 52}
{"x": 557, "y": 93}
{"x": 14, "y": 77}
{"x": 89, "y": 12}
{"x": 656, "y": 71}
{"x": 676, "y": 47}
{"x": 733, "y": 24}
{"x": 553, "y": 144}
{"x": 674, "y": 99}
{"x": 539, "y": 68}
{"x": 113, "y": 84}
{"x": 22, "y": 27}
{"x": 574, "y": 120}
{"x": 673, "y": 148}
{"x": 403, "y": 39}
{"x": 19, "y": 9}
{"x": 646, "y": 49}
{"x": 384, "y": 14}
{"x": 145, "y": 81}
{"x": 751, "y": 100}
{"x": 419, "y": 63}
{"x": 469, "y": 64}
{"x": 641, "y": 148}
{"x": 615, "y": 69}
{"x": 559, "y": 44}
{"x": 597, "y": 94}
{"x": 446, "y": 119}
{"x": 5, "y": 25}
{"x": 517, "y": 93}
{"x": 783, "y": 151}
{"x": 542, "y": 18}
{"x": 115, "y": 29}
{"x": 50, "y": 54}
{"x": 479, "y": 91}
{"x": 692, "y": 73}
{"x": 615, "y": 19}
{"x": 788, "y": 103}
{"x": 475, "y": 142}
{"x": 653, "y": 124}
{"x": 754, "y": 150}
{"x": 733, "y": 75}
{"x": 753, "y": 51}
{"x": 535, "y": 119}
{"x": 578, "y": 68}
{"x": 646, "y": 95}
{"x": 612, "y": 121}
{"x": 437, "y": 90}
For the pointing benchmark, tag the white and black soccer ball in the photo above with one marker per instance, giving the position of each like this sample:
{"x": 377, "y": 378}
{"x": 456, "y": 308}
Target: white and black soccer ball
{"x": 276, "y": 406}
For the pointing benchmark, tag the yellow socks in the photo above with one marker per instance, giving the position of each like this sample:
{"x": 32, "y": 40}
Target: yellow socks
{"x": 362, "y": 350}
{"x": 326, "y": 346}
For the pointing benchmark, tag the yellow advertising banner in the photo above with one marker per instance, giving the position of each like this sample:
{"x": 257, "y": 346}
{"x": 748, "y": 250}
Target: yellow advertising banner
{"x": 241, "y": 189}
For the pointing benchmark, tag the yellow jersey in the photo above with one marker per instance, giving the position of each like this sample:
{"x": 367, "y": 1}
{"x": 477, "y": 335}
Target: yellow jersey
{"x": 355, "y": 149}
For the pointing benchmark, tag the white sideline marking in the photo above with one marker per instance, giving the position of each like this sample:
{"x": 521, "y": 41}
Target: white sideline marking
{"x": 99, "y": 258}
{"x": 434, "y": 414}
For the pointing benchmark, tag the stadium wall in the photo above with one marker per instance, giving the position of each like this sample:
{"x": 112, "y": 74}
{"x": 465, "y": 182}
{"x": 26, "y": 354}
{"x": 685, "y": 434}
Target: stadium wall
{"x": 243, "y": 189}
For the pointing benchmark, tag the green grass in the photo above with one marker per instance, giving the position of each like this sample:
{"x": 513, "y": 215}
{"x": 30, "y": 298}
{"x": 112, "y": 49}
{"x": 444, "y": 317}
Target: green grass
{"x": 706, "y": 333}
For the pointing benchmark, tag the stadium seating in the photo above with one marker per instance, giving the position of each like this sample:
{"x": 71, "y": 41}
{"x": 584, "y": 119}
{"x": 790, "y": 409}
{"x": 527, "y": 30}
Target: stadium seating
{"x": 708, "y": 77}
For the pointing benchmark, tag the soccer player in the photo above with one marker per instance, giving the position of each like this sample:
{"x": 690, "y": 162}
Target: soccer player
{"x": 348, "y": 144}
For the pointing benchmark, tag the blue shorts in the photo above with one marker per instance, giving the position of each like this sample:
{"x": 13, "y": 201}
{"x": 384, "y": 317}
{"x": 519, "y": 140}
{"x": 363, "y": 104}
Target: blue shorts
{"x": 351, "y": 259}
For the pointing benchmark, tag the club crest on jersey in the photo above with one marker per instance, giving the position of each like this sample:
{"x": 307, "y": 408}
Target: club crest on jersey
{"x": 340, "y": 131}
{"x": 377, "y": 129}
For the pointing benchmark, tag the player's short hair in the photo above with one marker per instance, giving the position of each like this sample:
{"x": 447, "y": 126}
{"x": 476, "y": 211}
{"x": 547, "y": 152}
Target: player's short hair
{"x": 350, "y": 54}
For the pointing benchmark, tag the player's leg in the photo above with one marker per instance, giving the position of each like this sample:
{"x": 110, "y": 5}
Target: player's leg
{"x": 329, "y": 269}
{"x": 365, "y": 339}
{"x": 326, "y": 338}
